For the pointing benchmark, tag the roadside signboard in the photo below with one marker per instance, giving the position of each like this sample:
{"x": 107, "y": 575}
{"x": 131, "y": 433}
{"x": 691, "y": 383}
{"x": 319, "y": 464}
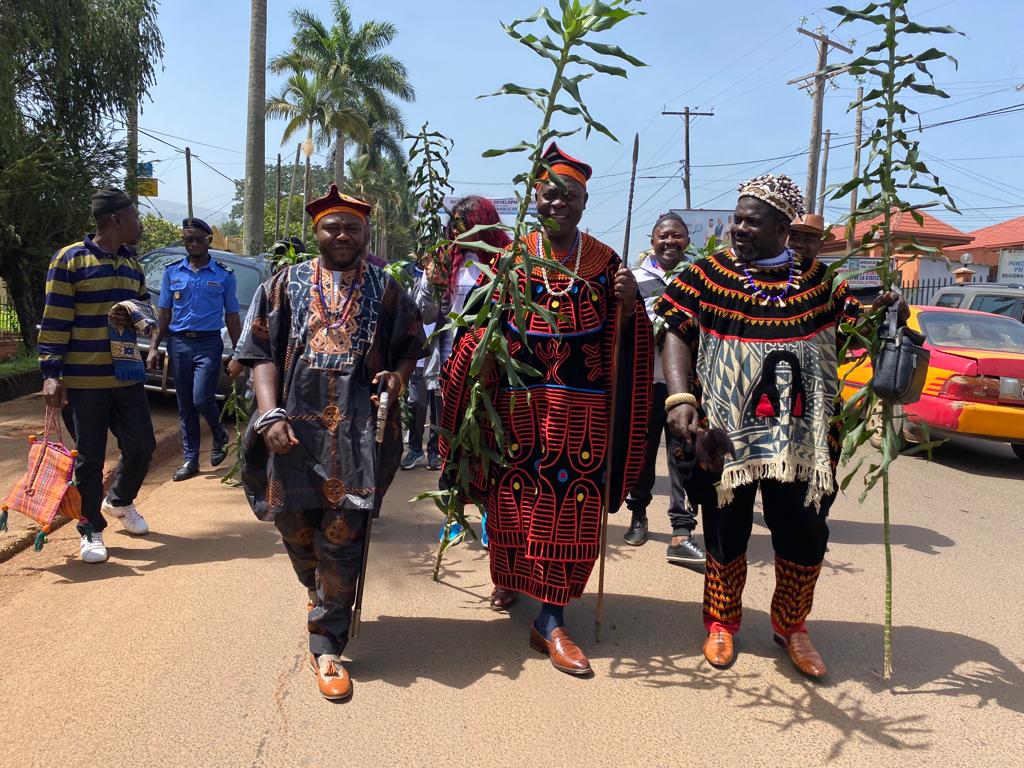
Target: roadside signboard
{"x": 702, "y": 222}
{"x": 148, "y": 187}
{"x": 1011, "y": 266}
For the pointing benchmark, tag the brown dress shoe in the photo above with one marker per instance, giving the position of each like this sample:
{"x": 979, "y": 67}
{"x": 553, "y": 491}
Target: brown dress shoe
{"x": 718, "y": 649}
{"x": 803, "y": 655}
{"x": 331, "y": 677}
{"x": 564, "y": 654}
{"x": 502, "y": 599}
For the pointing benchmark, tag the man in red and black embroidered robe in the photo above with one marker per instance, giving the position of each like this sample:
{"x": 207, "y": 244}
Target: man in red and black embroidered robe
{"x": 544, "y": 504}
{"x": 321, "y": 336}
{"x": 762, "y": 322}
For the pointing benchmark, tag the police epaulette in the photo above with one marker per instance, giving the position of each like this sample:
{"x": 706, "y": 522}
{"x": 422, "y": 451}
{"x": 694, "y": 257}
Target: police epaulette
{"x": 223, "y": 266}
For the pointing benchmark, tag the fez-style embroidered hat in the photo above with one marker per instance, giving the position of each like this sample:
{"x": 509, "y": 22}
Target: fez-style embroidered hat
{"x": 335, "y": 202}
{"x": 780, "y": 192}
{"x": 564, "y": 165}
{"x": 193, "y": 223}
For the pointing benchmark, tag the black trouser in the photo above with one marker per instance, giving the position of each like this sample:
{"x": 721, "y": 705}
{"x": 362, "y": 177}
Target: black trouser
{"x": 419, "y": 399}
{"x": 125, "y": 412}
{"x": 681, "y": 516}
{"x": 799, "y": 534}
{"x": 326, "y": 550}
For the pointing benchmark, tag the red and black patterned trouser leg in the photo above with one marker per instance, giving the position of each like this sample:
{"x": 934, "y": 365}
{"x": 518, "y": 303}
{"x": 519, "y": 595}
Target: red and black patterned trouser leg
{"x": 325, "y": 547}
{"x": 794, "y": 594}
{"x": 723, "y": 594}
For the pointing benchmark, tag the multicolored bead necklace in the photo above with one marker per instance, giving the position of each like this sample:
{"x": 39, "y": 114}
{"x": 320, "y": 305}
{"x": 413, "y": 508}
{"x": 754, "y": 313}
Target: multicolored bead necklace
{"x": 337, "y": 319}
{"x": 764, "y": 296}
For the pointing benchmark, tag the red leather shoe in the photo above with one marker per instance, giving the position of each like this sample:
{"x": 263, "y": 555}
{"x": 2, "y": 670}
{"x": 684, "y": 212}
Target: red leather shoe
{"x": 718, "y": 649}
{"x": 564, "y": 654}
{"x": 331, "y": 677}
{"x": 802, "y": 653}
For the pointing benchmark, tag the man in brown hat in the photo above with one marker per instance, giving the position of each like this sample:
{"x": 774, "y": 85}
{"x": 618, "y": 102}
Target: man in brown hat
{"x": 807, "y": 234}
{"x": 323, "y": 337}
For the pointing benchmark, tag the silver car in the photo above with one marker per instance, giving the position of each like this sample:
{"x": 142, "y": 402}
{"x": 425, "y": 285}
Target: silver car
{"x": 249, "y": 273}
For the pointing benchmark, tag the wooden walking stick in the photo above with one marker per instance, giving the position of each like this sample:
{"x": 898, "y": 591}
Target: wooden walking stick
{"x": 382, "y": 422}
{"x": 616, "y": 350}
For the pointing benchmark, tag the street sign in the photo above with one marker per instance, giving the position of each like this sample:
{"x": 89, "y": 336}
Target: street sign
{"x": 148, "y": 187}
{"x": 144, "y": 170}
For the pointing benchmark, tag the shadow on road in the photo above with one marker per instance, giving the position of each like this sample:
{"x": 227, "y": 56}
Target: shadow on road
{"x": 977, "y": 457}
{"x": 238, "y": 541}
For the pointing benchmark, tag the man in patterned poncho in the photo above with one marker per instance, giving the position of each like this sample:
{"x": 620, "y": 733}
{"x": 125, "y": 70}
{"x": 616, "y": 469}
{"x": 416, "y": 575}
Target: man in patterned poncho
{"x": 762, "y": 323}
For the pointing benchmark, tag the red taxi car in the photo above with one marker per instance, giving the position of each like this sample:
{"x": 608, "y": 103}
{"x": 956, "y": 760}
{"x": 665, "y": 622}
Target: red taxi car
{"x": 975, "y": 384}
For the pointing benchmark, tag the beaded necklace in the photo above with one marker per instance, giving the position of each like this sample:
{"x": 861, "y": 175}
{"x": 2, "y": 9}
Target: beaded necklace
{"x": 577, "y": 247}
{"x": 336, "y": 319}
{"x": 764, "y": 296}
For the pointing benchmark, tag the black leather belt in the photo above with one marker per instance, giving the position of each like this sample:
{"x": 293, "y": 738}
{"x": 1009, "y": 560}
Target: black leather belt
{"x": 196, "y": 334}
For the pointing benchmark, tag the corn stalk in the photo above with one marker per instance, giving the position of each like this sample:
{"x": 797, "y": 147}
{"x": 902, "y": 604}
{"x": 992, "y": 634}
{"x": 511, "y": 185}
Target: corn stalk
{"x": 893, "y": 167}
{"x": 479, "y": 436}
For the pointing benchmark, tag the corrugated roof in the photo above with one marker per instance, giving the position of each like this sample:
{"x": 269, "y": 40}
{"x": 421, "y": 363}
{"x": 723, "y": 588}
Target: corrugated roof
{"x": 932, "y": 230}
{"x": 1005, "y": 235}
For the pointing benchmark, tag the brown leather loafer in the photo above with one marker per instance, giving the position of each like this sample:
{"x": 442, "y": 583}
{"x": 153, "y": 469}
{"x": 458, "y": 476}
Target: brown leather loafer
{"x": 718, "y": 649}
{"x": 331, "y": 677}
{"x": 501, "y": 599}
{"x": 564, "y": 654}
{"x": 803, "y": 654}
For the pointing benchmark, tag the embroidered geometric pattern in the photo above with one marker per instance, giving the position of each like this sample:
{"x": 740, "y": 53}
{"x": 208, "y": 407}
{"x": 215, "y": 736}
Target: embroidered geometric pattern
{"x": 794, "y": 595}
{"x": 723, "y": 590}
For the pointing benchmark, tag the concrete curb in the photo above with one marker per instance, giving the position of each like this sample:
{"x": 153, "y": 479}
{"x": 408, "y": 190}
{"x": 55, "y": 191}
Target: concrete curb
{"x": 167, "y": 445}
{"x": 18, "y": 384}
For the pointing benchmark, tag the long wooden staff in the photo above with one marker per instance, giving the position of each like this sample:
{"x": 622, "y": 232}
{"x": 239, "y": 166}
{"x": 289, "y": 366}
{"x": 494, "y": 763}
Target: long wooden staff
{"x": 382, "y": 418}
{"x": 616, "y": 353}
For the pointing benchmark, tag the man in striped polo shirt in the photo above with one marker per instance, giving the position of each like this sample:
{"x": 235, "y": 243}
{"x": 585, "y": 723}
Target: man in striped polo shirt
{"x": 84, "y": 285}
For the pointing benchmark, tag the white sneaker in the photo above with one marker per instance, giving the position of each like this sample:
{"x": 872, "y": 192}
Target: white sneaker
{"x": 129, "y": 516}
{"x": 92, "y": 549}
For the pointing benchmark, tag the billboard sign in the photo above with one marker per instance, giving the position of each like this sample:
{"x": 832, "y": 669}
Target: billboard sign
{"x": 507, "y": 207}
{"x": 1011, "y": 266}
{"x": 148, "y": 187}
{"x": 702, "y": 222}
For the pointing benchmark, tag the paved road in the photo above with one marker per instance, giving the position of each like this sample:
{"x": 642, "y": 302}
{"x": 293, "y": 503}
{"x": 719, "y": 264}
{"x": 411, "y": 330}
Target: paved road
{"x": 186, "y": 649}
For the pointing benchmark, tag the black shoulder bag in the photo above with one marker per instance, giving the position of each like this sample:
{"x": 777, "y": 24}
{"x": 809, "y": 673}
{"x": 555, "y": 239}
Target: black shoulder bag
{"x": 901, "y": 367}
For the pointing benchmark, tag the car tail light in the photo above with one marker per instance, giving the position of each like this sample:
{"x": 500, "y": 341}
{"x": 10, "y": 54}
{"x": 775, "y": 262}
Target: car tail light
{"x": 977, "y": 389}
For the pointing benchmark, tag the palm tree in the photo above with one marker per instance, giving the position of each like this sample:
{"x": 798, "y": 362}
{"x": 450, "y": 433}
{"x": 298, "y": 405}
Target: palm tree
{"x": 386, "y": 129}
{"x": 362, "y": 75}
{"x": 255, "y": 135}
{"x": 307, "y": 104}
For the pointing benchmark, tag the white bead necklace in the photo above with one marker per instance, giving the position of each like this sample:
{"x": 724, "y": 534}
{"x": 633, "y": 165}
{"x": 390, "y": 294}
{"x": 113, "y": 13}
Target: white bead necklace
{"x": 576, "y": 246}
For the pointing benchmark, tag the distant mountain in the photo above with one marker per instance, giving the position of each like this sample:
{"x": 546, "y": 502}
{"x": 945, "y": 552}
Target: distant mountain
{"x": 174, "y": 211}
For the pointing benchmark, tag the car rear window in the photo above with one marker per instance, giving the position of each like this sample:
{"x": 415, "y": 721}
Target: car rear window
{"x": 949, "y": 300}
{"x": 998, "y": 305}
{"x": 965, "y": 331}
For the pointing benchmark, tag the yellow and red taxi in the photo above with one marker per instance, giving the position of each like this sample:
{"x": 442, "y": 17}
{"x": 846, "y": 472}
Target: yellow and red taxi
{"x": 975, "y": 384}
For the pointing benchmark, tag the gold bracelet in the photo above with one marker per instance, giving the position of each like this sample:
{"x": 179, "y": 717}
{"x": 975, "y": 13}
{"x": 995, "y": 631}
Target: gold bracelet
{"x": 680, "y": 398}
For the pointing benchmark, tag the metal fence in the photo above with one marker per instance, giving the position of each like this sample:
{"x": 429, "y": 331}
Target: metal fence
{"x": 923, "y": 291}
{"x": 9, "y": 320}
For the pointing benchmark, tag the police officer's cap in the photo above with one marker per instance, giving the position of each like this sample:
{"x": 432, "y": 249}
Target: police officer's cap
{"x": 192, "y": 223}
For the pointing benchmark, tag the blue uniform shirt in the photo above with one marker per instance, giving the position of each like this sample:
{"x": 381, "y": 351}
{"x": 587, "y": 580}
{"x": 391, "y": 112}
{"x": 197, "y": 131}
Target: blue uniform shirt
{"x": 198, "y": 300}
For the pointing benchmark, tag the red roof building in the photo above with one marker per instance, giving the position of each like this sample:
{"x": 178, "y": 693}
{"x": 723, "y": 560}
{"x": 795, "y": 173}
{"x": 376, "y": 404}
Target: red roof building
{"x": 999, "y": 247}
{"x": 932, "y": 232}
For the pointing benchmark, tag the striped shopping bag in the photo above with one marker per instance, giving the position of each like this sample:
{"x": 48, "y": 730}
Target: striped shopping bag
{"x": 47, "y": 489}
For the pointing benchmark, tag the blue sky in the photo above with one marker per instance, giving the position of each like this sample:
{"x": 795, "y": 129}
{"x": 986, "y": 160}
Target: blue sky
{"x": 735, "y": 60}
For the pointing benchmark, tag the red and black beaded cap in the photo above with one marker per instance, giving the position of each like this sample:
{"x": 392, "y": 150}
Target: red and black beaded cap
{"x": 335, "y": 202}
{"x": 564, "y": 165}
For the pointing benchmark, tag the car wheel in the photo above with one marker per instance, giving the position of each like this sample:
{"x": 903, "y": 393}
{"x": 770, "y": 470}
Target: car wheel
{"x": 1018, "y": 449}
{"x": 907, "y": 436}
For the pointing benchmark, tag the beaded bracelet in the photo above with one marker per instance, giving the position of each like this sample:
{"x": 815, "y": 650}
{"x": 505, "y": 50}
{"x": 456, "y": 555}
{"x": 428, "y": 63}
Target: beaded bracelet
{"x": 680, "y": 398}
{"x": 264, "y": 422}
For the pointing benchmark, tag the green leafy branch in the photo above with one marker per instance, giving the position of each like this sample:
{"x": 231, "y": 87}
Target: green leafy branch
{"x": 429, "y": 185}
{"x": 507, "y": 289}
{"x": 893, "y": 169}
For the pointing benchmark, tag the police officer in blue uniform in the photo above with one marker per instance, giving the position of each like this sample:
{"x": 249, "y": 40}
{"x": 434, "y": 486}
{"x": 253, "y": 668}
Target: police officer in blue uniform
{"x": 197, "y": 299}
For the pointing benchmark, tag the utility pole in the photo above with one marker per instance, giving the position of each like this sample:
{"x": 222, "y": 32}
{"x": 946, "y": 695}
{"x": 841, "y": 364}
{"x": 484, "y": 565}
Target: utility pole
{"x": 686, "y": 114}
{"x": 188, "y": 178}
{"x": 824, "y": 173}
{"x": 291, "y": 191}
{"x": 277, "y": 202}
{"x": 851, "y": 240}
{"x": 818, "y": 79}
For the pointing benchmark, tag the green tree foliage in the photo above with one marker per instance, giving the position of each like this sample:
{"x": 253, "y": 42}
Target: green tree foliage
{"x": 894, "y": 168}
{"x": 156, "y": 233}
{"x": 351, "y": 64}
{"x": 68, "y": 69}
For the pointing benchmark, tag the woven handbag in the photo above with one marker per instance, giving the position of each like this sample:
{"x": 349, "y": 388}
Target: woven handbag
{"x": 47, "y": 489}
